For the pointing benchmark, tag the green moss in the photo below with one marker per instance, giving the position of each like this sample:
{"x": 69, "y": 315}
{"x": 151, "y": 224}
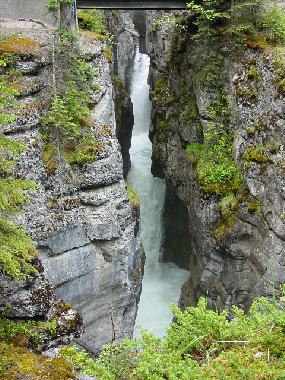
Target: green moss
{"x": 280, "y": 69}
{"x": 228, "y": 208}
{"x": 81, "y": 153}
{"x": 93, "y": 21}
{"x": 189, "y": 110}
{"x": 15, "y": 44}
{"x": 160, "y": 85}
{"x": 10, "y": 330}
{"x": 254, "y": 206}
{"x": 170, "y": 99}
{"x": 249, "y": 92}
{"x": 216, "y": 170}
{"x": 18, "y": 362}
{"x": 256, "y": 154}
{"x": 163, "y": 125}
{"x": 133, "y": 196}
{"x": 118, "y": 82}
{"x": 108, "y": 54}
{"x": 50, "y": 157}
{"x": 253, "y": 73}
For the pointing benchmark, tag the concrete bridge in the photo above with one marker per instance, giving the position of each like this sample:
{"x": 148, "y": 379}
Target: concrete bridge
{"x": 132, "y": 4}
{"x": 26, "y": 9}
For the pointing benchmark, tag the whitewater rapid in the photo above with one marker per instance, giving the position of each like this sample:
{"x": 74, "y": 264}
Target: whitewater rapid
{"x": 162, "y": 281}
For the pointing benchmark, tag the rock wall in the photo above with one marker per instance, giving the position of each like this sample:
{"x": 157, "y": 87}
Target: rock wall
{"x": 33, "y": 299}
{"x": 124, "y": 48}
{"x": 231, "y": 260}
{"x": 81, "y": 218}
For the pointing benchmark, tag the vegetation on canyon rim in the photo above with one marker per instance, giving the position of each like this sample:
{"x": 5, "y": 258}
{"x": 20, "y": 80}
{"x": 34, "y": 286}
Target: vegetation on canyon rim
{"x": 200, "y": 344}
{"x": 67, "y": 125}
{"x": 217, "y": 171}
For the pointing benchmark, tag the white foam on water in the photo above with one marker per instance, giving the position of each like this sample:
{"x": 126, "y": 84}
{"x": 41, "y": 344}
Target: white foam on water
{"x": 162, "y": 281}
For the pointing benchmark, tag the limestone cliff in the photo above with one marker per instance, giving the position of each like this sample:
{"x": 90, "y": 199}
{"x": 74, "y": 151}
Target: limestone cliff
{"x": 80, "y": 218}
{"x": 236, "y": 249}
{"x": 124, "y": 48}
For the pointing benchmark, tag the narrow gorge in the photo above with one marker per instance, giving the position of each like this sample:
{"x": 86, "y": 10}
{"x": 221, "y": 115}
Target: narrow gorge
{"x": 142, "y": 165}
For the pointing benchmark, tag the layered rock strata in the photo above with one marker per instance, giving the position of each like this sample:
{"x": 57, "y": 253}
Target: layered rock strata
{"x": 33, "y": 299}
{"x": 80, "y": 217}
{"x": 233, "y": 257}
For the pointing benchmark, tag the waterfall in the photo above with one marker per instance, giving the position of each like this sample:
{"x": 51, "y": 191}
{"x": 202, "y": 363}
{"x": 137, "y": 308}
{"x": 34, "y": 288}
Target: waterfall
{"x": 162, "y": 281}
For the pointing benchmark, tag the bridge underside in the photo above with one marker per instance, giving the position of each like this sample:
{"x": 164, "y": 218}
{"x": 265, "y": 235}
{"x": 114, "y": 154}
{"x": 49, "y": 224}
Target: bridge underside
{"x": 131, "y": 4}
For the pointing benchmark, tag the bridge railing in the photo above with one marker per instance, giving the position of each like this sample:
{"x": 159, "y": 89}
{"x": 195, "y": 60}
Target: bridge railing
{"x": 132, "y": 4}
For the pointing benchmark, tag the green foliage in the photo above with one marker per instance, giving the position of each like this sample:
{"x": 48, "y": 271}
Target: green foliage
{"x": 66, "y": 134}
{"x": 167, "y": 19}
{"x": 7, "y": 96}
{"x": 9, "y": 330}
{"x": 216, "y": 170}
{"x": 59, "y": 117}
{"x": 280, "y": 69}
{"x": 19, "y": 362}
{"x": 133, "y": 196}
{"x": 274, "y": 22}
{"x": 16, "y": 247}
{"x": 199, "y": 344}
{"x": 256, "y": 154}
{"x": 53, "y": 5}
{"x": 254, "y": 206}
{"x": 189, "y": 111}
{"x": 93, "y": 21}
{"x": 241, "y": 22}
{"x": 207, "y": 14}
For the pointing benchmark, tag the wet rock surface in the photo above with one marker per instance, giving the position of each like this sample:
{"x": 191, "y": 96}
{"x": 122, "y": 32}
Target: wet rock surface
{"x": 124, "y": 49}
{"x": 247, "y": 259}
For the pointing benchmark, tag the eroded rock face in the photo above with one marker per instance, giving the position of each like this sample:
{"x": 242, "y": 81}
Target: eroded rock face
{"x": 124, "y": 48}
{"x": 33, "y": 299}
{"x": 232, "y": 263}
{"x": 81, "y": 217}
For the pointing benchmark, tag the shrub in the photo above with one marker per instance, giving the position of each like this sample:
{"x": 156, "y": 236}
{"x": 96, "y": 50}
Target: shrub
{"x": 199, "y": 344}
{"x": 92, "y": 21}
{"x": 274, "y": 22}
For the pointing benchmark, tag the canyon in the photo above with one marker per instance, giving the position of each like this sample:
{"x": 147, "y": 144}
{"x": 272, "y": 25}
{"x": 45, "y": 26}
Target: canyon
{"x": 217, "y": 159}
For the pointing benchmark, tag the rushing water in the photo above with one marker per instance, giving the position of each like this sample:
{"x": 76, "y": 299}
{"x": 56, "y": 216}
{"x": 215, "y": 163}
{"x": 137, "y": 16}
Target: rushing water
{"x": 162, "y": 282}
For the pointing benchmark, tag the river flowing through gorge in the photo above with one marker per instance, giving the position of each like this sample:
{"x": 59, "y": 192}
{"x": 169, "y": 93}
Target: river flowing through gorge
{"x": 162, "y": 281}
